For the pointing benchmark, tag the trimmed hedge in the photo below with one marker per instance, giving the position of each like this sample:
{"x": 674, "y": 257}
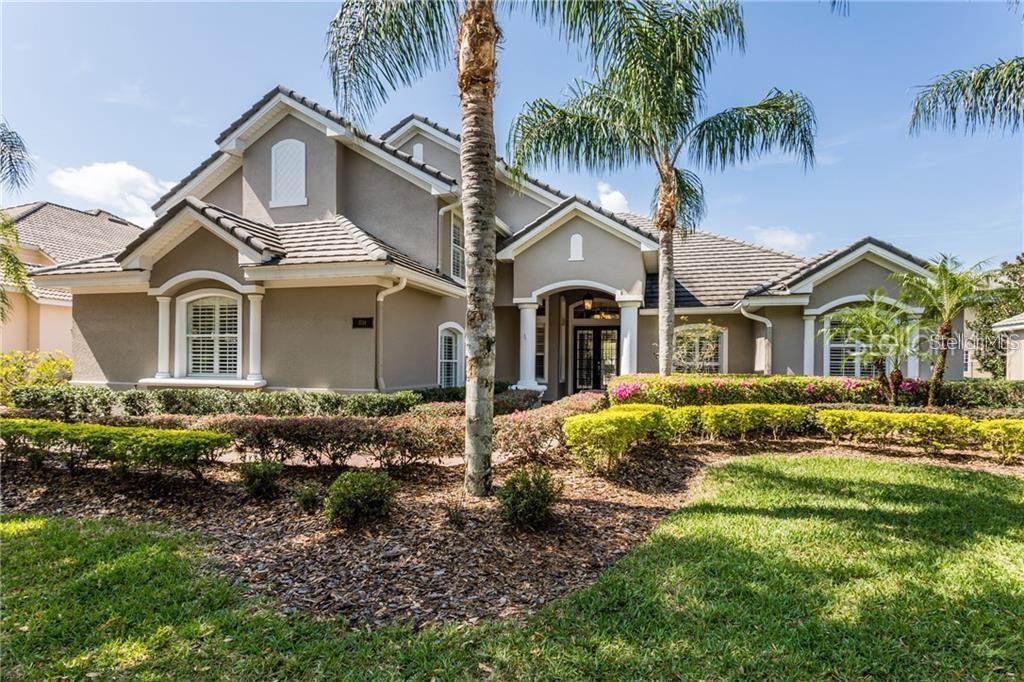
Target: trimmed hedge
{"x": 537, "y": 435}
{"x": 694, "y": 389}
{"x": 357, "y": 497}
{"x": 64, "y": 402}
{"x": 599, "y": 441}
{"x": 120, "y": 446}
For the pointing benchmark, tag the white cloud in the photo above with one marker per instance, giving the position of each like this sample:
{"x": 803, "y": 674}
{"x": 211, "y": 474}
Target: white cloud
{"x": 130, "y": 94}
{"x": 116, "y": 186}
{"x": 782, "y": 238}
{"x": 612, "y": 199}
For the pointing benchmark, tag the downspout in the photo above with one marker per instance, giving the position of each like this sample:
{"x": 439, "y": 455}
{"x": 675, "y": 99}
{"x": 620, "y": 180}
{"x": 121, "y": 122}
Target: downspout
{"x": 767, "y": 335}
{"x": 379, "y": 330}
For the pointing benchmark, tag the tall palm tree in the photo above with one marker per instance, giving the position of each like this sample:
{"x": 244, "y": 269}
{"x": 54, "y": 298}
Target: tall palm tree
{"x": 375, "y": 46}
{"x": 15, "y": 173}
{"x": 885, "y": 336}
{"x": 950, "y": 289}
{"x": 646, "y": 107}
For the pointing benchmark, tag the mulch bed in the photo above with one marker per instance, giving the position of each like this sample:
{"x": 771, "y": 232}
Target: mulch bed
{"x": 418, "y": 567}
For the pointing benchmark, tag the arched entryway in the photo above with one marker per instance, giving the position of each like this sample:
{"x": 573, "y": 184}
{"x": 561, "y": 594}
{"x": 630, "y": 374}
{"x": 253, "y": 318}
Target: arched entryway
{"x": 576, "y": 335}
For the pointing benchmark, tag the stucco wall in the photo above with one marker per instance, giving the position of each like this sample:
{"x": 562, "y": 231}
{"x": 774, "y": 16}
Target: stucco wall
{"x": 411, "y": 318}
{"x": 309, "y": 342}
{"x": 114, "y": 337}
{"x": 854, "y": 280}
{"x": 227, "y": 194}
{"x": 389, "y": 207}
{"x": 202, "y": 250}
{"x": 741, "y": 340}
{"x": 506, "y": 344}
{"x": 606, "y": 259}
{"x": 436, "y": 155}
{"x": 14, "y": 330}
{"x": 54, "y": 328}
{"x": 787, "y": 338}
{"x": 321, "y": 181}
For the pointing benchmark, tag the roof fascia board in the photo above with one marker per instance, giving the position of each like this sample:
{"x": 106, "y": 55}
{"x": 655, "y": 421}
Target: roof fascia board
{"x": 697, "y": 310}
{"x": 208, "y": 179}
{"x": 331, "y": 274}
{"x": 563, "y": 216}
{"x": 872, "y": 252}
{"x": 779, "y": 300}
{"x": 174, "y": 232}
{"x": 97, "y": 282}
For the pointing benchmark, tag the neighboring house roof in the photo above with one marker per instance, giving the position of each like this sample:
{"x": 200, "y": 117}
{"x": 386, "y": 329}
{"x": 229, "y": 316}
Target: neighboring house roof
{"x": 322, "y": 111}
{"x": 712, "y": 270}
{"x": 1010, "y": 324}
{"x": 67, "y": 234}
{"x": 336, "y": 240}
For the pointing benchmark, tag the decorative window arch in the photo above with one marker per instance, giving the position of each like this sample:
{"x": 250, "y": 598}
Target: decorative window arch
{"x": 417, "y": 151}
{"x": 450, "y": 355}
{"x": 576, "y": 247}
{"x": 701, "y": 349}
{"x": 288, "y": 174}
{"x": 208, "y": 334}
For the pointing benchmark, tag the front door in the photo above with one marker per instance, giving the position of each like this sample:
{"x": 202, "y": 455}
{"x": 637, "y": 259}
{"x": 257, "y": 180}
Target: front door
{"x": 596, "y": 357}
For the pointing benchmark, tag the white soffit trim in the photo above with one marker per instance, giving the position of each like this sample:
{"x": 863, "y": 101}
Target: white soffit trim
{"x": 347, "y": 274}
{"x": 178, "y": 229}
{"x": 527, "y": 187}
{"x": 696, "y": 310}
{"x": 538, "y": 232}
{"x": 211, "y": 176}
{"x": 777, "y": 300}
{"x": 870, "y": 252}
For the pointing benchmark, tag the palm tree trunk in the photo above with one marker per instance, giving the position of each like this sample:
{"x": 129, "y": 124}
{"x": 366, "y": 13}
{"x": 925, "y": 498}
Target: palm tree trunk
{"x": 895, "y": 379}
{"x": 944, "y": 332}
{"x": 476, "y": 46}
{"x": 665, "y": 221}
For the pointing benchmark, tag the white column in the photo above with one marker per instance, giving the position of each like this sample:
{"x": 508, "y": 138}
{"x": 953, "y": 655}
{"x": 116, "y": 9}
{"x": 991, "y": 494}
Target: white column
{"x": 255, "y": 338}
{"x": 163, "y": 337}
{"x": 628, "y": 311}
{"x": 528, "y": 347}
{"x": 809, "y": 345}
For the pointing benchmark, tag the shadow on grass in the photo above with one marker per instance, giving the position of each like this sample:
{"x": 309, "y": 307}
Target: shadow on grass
{"x": 783, "y": 568}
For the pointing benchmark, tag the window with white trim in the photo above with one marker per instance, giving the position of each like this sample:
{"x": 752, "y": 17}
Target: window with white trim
{"x": 844, "y": 358}
{"x": 288, "y": 174}
{"x": 698, "y": 350}
{"x": 576, "y": 247}
{"x": 449, "y": 356}
{"x": 212, "y": 336}
{"x": 458, "y": 249}
{"x": 540, "y": 350}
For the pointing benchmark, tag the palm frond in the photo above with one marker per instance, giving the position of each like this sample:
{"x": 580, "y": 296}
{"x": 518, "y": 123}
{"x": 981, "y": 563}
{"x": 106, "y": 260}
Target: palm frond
{"x": 987, "y": 96}
{"x": 950, "y": 289}
{"x": 375, "y": 46}
{"x": 690, "y": 205}
{"x": 12, "y": 271}
{"x": 16, "y": 165}
{"x": 783, "y": 120}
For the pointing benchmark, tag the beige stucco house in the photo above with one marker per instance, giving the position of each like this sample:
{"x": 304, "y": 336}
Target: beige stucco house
{"x": 305, "y": 254}
{"x": 50, "y": 234}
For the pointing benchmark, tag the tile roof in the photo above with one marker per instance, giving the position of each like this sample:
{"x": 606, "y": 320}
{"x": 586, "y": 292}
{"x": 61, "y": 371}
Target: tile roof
{"x": 713, "y": 270}
{"x": 37, "y": 292}
{"x": 335, "y": 240}
{"x": 627, "y": 220}
{"x": 823, "y": 260}
{"x": 67, "y": 234}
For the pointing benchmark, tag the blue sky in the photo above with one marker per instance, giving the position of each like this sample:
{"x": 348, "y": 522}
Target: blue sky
{"x": 117, "y": 101}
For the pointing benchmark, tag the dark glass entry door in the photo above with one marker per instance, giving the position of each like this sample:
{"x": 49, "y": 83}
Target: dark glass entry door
{"x": 596, "y": 357}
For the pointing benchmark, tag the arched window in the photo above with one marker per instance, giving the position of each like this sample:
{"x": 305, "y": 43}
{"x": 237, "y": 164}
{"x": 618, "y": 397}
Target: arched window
{"x": 288, "y": 174}
{"x": 417, "y": 151}
{"x": 576, "y": 247}
{"x": 843, "y": 353}
{"x": 213, "y": 337}
{"x": 701, "y": 349}
{"x": 449, "y": 355}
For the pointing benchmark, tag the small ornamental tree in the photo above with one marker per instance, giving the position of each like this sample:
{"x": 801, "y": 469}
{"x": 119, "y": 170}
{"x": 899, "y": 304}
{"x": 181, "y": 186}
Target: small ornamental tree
{"x": 1005, "y": 299}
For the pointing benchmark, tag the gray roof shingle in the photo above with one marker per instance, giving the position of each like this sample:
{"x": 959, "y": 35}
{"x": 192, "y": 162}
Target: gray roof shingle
{"x": 67, "y": 234}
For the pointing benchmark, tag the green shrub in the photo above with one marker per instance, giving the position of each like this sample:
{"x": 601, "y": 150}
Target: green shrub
{"x": 982, "y": 393}
{"x": 655, "y": 420}
{"x": 599, "y": 441}
{"x": 679, "y": 390}
{"x": 196, "y": 401}
{"x": 741, "y": 420}
{"x": 65, "y": 402}
{"x": 1005, "y": 436}
{"x": 358, "y": 497}
{"x": 260, "y": 478}
{"x": 382, "y": 404}
{"x": 454, "y": 394}
{"x": 138, "y": 402}
{"x": 685, "y": 421}
{"x": 307, "y": 496}
{"x": 124, "y": 446}
{"x": 29, "y": 368}
{"x": 537, "y": 434}
{"x": 931, "y": 432}
{"x": 528, "y": 497}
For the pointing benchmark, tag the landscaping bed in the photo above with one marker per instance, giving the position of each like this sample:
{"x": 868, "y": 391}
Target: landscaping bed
{"x": 418, "y": 566}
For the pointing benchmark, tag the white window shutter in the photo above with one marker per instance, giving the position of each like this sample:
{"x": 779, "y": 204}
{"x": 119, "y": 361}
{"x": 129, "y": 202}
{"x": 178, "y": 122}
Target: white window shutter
{"x": 288, "y": 174}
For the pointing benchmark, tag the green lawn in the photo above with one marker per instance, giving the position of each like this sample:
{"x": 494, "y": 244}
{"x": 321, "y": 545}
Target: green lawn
{"x": 781, "y": 568}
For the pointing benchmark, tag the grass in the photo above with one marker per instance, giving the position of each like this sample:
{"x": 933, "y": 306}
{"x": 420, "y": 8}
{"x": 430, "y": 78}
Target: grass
{"x": 781, "y": 568}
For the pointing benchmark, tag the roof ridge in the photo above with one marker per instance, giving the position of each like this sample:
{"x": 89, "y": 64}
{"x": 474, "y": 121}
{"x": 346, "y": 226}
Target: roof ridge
{"x": 372, "y": 246}
{"x": 737, "y": 240}
{"x": 91, "y": 212}
{"x": 80, "y": 261}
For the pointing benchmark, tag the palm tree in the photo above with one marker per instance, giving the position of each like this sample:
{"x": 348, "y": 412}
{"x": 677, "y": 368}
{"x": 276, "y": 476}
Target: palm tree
{"x": 987, "y": 96}
{"x": 645, "y": 107}
{"x": 375, "y": 46}
{"x": 885, "y": 336}
{"x": 950, "y": 289}
{"x": 15, "y": 173}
